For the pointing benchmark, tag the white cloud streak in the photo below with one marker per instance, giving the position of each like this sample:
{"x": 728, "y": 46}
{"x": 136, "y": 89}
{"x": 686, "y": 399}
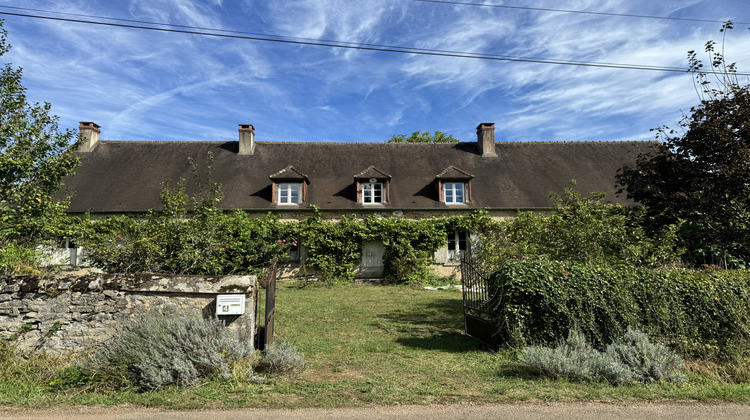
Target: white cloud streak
{"x": 149, "y": 85}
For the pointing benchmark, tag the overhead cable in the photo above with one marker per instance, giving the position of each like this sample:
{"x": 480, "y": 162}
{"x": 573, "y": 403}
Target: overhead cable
{"x": 356, "y": 46}
{"x": 585, "y": 12}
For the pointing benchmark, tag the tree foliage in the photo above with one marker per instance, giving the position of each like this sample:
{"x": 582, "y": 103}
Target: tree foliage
{"x": 582, "y": 230}
{"x": 699, "y": 174}
{"x": 35, "y": 157}
{"x": 423, "y": 137}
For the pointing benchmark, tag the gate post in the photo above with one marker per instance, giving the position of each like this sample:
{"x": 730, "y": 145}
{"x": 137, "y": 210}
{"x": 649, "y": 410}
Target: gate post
{"x": 270, "y": 306}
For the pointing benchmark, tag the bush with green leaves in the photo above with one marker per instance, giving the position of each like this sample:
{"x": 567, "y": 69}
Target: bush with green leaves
{"x": 282, "y": 357}
{"x": 156, "y": 351}
{"x": 18, "y": 260}
{"x": 187, "y": 236}
{"x": 631, "y": 358}
{"x": 698, "y": 313}
{"x": 580, "y": 229}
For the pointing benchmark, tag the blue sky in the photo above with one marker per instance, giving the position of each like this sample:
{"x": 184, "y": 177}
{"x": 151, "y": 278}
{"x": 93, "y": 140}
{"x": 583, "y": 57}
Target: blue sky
{"x": 147, "y": 85}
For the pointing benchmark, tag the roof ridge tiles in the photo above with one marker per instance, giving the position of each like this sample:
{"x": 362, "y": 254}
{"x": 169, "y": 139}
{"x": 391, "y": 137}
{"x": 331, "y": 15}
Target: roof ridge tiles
{"x": 165, "y": 141}
{"x": 380, "y": 144}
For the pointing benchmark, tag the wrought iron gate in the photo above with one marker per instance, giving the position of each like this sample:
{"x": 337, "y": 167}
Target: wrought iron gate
{"x": 479, "y": 303}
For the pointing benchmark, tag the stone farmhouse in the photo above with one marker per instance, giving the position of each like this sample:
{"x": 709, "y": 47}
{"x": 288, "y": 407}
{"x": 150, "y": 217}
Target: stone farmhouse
{"x": 410, "y": 180}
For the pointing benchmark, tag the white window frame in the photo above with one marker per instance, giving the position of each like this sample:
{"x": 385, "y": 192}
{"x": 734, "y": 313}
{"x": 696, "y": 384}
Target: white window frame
{"x": 460, "y": 246}
{"x": 286, "y": 191}
{"x": 368, "y": 193}
{"x": 450, "y": 190}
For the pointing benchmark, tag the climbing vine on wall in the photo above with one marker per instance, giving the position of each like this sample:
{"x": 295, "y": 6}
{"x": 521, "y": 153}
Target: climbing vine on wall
{"x": 191, "y": 236}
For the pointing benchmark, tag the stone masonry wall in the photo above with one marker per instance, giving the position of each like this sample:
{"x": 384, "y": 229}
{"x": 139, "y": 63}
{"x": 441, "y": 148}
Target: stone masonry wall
{"x": 76, "y": 313}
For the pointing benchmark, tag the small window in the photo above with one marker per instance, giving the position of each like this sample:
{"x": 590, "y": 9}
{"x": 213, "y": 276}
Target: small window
{"x": 372, "y": 193}
{"x": 292, "y": 249}
{"x": 288, "y": 193}
{"x": 457, "y": 245}
{"x": 453, "y": 193}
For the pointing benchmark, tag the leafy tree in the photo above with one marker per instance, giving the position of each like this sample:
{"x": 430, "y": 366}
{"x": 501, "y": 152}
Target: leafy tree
{"x": 699, "y": 174}
{"x": 423, "y": 137}
{"x": 35, "y": 157}
{"x": 582, "y": 230}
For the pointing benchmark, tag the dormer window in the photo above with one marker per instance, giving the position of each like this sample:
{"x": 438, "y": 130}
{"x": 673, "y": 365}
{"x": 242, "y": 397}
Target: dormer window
{"x": 289, "y": 187}
{"x": 288, "y": 193}
{"x": 454, "y": 186}
{"x": 372, "y": 192}
{"x": 453, "y": 193}
{"x": 373, "y": 187}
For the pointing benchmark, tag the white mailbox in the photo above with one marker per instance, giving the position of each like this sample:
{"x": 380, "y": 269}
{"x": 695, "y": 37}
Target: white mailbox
{"x": 230, "y": 304}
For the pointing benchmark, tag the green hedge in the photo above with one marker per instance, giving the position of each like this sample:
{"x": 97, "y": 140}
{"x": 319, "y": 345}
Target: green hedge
{"x": 698, "y": 313}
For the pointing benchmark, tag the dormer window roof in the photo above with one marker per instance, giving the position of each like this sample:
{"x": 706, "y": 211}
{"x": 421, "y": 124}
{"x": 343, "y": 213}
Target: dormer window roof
{"x": 372, "y": 172}
{"x": 455, "y": 174}
{"x": 289, "y": 174}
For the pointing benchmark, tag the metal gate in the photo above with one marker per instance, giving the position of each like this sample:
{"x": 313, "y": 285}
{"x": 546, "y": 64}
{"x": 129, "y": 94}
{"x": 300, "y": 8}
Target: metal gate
{"x": 480, "y": 303}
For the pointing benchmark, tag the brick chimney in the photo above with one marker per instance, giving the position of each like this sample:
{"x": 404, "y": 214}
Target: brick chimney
{"x": 247, "y": 139}
{"x": 486, "y": 139}
{"x": 89, "y": 133}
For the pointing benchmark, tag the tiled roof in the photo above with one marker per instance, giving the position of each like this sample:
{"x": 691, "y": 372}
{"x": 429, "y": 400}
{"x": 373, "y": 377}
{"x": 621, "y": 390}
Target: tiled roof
{"x": 452, "y": 172}
{"x": 372, "y": 172}
{"x": 289, "y": 173}
{"x": 122, "y": 176}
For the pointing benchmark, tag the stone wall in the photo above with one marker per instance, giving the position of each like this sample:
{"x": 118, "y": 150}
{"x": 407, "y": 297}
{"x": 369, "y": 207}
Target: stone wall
{"x": 76, "y": 313}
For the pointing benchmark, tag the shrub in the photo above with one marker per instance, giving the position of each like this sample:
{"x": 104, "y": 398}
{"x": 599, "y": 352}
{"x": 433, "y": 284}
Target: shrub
{"x": 282, "y": 357}
{"x": 156, "y": 351}
{"x": 580, "y": 229}
{"x": 698, "y": 313}
{"x": 17, "y": 260}
{"x": 631, "y": 358}
{"x": 404, "y": 264}
{"x": 648, "y": 361}
{"x": 575, "y": 359}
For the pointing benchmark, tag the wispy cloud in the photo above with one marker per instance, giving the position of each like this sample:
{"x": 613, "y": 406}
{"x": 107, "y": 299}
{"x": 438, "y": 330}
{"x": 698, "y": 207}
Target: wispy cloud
{"x": 152, "y": 85}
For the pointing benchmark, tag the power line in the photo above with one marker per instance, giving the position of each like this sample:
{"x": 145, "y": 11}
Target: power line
{"x": 352, "y": 45}
{"x": 585, "y": 12}
{"x": 410, "y": 49}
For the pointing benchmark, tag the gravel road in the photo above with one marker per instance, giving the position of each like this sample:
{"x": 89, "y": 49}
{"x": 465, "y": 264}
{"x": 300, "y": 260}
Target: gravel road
{"x": 585, "y": 411}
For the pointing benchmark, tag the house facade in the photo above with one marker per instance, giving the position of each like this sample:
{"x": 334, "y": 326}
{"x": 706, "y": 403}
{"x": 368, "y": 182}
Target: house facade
{"x": 409, "y": 180}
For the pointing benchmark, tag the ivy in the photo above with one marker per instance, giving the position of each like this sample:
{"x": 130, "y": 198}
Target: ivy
{"x": 699, "y": 313}
{"x": 191, "y": 236}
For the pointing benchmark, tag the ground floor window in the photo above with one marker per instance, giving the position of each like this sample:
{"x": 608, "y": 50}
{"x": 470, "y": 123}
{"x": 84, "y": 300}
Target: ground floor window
{"x": 458, "y": 246}
{"x": 291, "y": 246}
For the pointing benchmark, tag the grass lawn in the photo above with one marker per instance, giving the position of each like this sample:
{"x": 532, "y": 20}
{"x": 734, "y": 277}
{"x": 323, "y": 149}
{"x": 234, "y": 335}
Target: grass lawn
{"x": 375, "y": 345}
